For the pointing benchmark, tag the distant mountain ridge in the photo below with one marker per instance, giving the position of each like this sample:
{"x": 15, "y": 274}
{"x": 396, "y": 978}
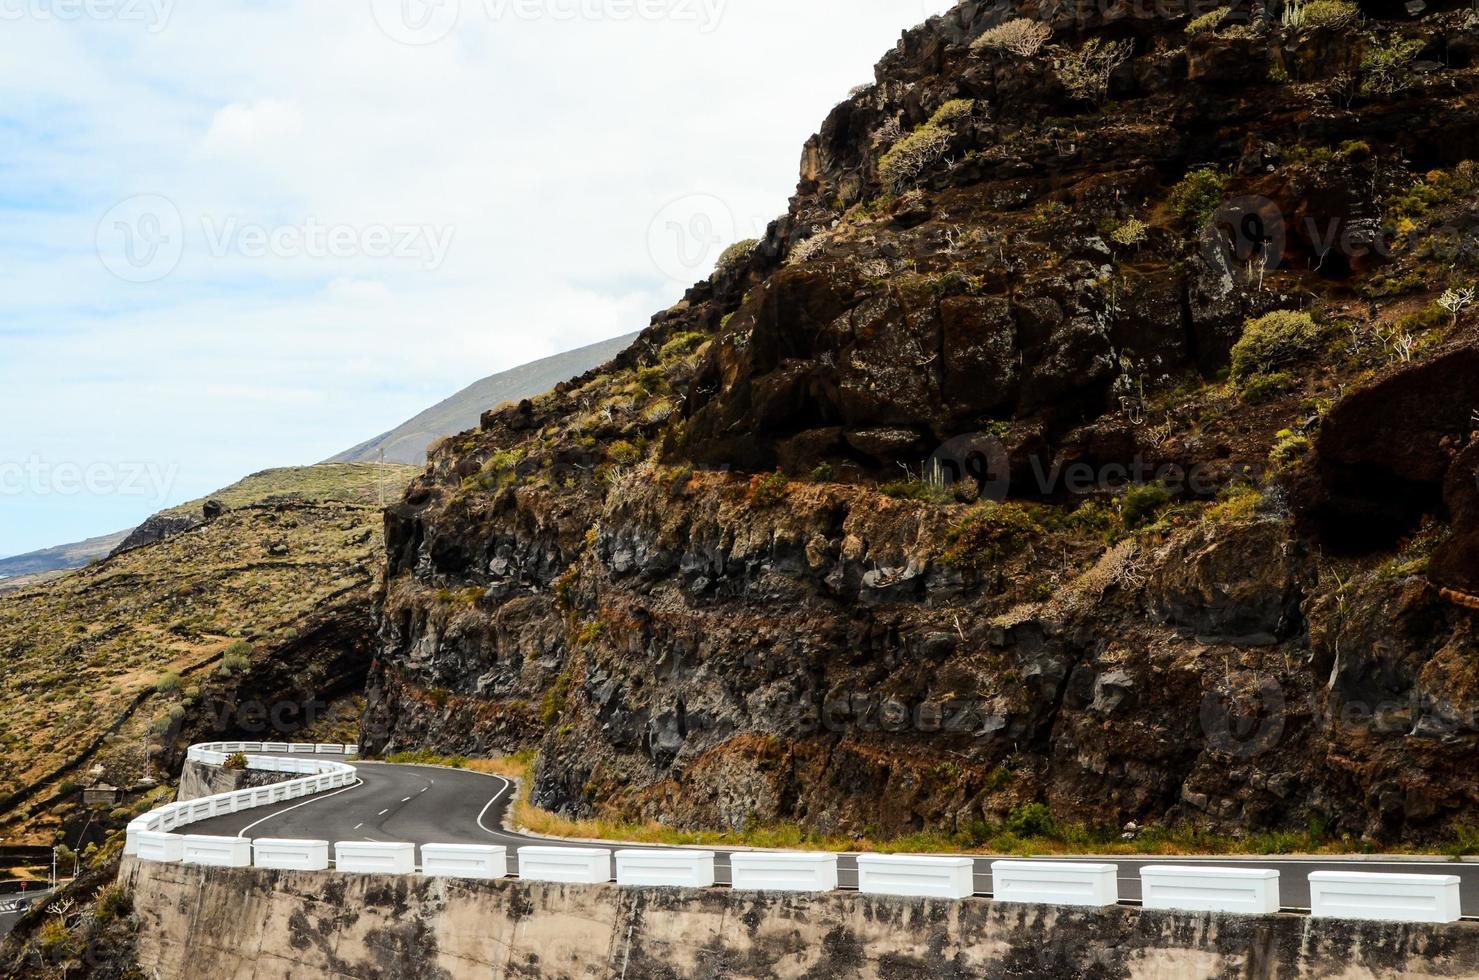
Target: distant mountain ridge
{"x": 61, "y": 558}
{"x": 404, "y": 444}
{"x": 407, "y": 442}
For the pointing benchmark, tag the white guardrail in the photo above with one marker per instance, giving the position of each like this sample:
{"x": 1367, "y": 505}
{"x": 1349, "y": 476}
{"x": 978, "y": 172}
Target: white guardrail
{"x": 323, "y": 775}
{"x": 1180, "y": 887}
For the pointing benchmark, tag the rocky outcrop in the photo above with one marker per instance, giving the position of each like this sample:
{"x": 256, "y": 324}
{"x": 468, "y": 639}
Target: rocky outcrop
{"x": 157, "y": 528}
{"x": 758, "y": 570}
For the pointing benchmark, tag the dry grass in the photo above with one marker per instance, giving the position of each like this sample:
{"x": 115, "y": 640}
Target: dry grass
{"x": 982, "y": 839}
{"x": 80, "y": 650}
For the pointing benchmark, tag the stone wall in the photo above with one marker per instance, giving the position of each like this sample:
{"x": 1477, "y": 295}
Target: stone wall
{"x": 198, "y": 780}
{"x": 216, "y": 922}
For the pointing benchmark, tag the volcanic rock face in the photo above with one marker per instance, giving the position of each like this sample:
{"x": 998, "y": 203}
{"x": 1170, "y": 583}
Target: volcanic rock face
{"x": 1228, "y": 586}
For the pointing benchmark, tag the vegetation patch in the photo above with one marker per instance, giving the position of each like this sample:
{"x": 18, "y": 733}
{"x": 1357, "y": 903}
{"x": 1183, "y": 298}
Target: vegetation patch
{"x": 1270, "y": 343}
{"x": 988, "y": 534}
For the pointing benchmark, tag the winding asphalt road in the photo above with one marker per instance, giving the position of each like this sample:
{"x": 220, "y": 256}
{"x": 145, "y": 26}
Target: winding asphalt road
{"x": 430, "y": 805}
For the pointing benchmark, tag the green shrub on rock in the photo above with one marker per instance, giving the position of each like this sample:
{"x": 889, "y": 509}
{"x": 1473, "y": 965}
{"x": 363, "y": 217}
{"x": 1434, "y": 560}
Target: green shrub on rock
{"x": 1386, "y": 69}
{"x": 1197, "y": 196}
{"x": 1273, "y": 341}
{"x": 912, "y": 155}
{"x": 988, "y": 534}
{"x": 1208, "y": 22}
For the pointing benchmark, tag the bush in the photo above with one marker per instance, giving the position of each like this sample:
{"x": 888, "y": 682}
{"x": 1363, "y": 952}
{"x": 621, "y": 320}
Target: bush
{"x": 113, "y": 903}
{"x": 1196, "y": 196}
{"x": 1262, "y": 388}
{"x": 1272, "y": 341}
{"x": 767, "y": 490}
{"x": 1085, "y": 73}
{"x": 731, "y": 257}
{"x": 1386, "y": 68}
{"x": 1327, "y": 13}
{"x": 1288, "y": 447}
{"x": 682, "y": 344}
{"x": 1208, "y": 22}
{"x": 1031, "y": 820}
{"x": 912, "y": 155}
{"x": 1130, "y": 233}
{"x": 923, "y": 491}
{"x": 1142, "y": 502}
{"x": 987, "y": 534}
{"x": 167, "y": 684}
{"x": 1021, "y": 36}
{"x": 555, "y": 700}
{"x": 236, "y": 761}
{"x": 952, "y": 112}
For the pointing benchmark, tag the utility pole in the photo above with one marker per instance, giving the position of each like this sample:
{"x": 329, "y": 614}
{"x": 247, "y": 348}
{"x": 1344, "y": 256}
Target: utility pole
{"x": 380, "y": 480}
{"x": 53, "y": 865}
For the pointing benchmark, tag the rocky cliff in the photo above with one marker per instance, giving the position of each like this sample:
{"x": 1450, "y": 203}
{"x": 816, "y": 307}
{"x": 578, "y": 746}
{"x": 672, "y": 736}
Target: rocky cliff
{"x": 1094, "y": 431}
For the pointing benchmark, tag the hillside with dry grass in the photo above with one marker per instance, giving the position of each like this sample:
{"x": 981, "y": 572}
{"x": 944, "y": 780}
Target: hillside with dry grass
{"x": 116, "y": 656}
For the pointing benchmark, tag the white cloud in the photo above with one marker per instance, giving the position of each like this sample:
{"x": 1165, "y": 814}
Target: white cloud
{"x": 546, "y": 146}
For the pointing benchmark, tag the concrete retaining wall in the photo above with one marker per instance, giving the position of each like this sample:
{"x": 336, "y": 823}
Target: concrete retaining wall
{"x": 251, "y": 922}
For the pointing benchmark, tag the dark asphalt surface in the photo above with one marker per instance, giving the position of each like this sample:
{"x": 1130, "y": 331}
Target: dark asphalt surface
{"x": 428, "y": 805}
{"x": 9, "y": 913}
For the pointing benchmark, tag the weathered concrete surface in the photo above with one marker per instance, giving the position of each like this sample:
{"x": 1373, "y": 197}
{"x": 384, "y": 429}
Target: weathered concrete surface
{"x": 244, "y": 923}
{"x": 198, "y": 780}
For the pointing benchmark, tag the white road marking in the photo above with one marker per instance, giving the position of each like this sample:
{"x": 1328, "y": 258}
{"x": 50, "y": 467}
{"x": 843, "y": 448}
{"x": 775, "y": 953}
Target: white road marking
{"x": 314, "y": 799}
{"x": 358, "y": 826}
{"x": 406, "y": 800}
{"x": 383, "y": 812}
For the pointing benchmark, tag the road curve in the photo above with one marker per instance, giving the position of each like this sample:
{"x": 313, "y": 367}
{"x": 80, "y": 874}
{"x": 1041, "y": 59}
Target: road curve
{"x": 431, "y": 805}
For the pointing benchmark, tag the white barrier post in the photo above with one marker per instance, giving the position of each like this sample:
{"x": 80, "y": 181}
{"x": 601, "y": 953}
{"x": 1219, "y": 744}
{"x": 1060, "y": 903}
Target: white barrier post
{"x": 783, "y": 872}
{"x": 1054, "y": 883}
{"x": 665, "y": 869}
{"x": 367, "y": 857}
{"x": 464, "y": 861}
{"x": 291, "y": 855}
{"x": 590, "y": 866}
{"x": 162, "y": 847}
{"x": 1251, "y": 891}
{"x": 1384, "y": 897}
{"x": 928, "y": 877}
{"x": 220, "y": 852}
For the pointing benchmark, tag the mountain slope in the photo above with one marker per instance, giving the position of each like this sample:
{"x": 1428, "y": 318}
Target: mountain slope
{"x": 134, "y": 643}
{"x": 61, "y": 558}
{"x": 407, "y": 443}
{"x": 1214, "y": 566}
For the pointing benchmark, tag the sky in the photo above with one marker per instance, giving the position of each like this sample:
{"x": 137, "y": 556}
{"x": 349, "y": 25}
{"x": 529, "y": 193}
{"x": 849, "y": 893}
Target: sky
{"x": 238, "y": 235}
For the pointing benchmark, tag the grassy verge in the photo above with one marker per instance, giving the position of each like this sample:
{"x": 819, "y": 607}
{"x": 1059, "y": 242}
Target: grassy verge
{"x": 1028, "y": 831}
